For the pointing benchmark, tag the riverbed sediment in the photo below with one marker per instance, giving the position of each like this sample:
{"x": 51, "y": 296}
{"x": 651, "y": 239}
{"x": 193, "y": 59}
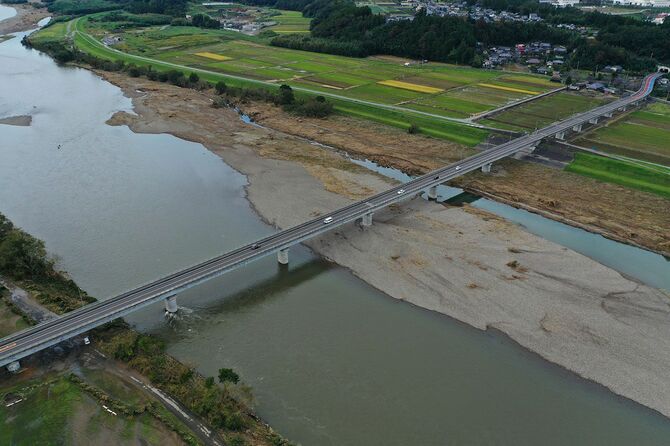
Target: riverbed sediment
{"x": 26, "y": 18}
{"x": 462, "y": 262}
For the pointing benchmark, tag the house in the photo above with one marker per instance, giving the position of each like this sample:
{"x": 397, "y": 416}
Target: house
{"x": 595, "y": 86}
{"x": 534, "y": 61}
{"x": 542, "y": 70}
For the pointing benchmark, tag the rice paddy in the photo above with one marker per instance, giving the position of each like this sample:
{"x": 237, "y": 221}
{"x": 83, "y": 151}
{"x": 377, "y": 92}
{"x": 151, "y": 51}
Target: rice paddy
{"x": 408, "y": 91}
{"x": 213, "y": 56}
{"x": 643, "y": 134}
{"x": 411, "y": 87}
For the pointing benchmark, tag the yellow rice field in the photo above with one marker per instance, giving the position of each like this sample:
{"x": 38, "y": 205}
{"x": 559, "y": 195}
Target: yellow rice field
{"x": 411, "y": 87}
{"x": 213, "y": 56}
{"x": 500, "y": 87}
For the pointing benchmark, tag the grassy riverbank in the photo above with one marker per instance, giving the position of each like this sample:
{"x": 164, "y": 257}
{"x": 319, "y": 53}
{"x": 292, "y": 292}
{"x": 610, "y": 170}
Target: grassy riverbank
{"x": 630, "y": 174}
{"x": 225, "y": 406}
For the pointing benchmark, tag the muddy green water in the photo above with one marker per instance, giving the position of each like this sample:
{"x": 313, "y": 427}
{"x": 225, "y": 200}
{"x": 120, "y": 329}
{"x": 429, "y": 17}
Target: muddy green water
{"x": 332, "y": 361}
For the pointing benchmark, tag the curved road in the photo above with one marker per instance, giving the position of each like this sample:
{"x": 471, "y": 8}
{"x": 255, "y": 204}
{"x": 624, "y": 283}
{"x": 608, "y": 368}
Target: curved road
{"x": 19, "y": 345}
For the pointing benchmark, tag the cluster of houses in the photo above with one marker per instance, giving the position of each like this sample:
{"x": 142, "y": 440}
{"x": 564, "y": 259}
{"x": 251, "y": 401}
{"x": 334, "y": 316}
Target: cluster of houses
{"x": 462, "y": 9}
{"x": 540, "y": 57}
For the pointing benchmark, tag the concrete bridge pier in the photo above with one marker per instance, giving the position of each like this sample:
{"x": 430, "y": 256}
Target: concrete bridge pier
{"x": 367, "y": 220}
{"x": 432, "y": 193}
{"x": 577, "y": 128}
{"x": 608, "y": 115}
{"x": 622, "y": 109}
{"x": 282, "y": 255}
{"x": 486, "y": 168}
{"x": 593, "y": 121}
{"x": 14, "y": 367}
{"x": 171, "y": 304}
{"x": 560, "y": 135}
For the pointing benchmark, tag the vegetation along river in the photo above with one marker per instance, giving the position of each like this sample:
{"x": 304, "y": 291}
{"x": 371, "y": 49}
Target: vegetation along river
{"x": 332, "y": 361}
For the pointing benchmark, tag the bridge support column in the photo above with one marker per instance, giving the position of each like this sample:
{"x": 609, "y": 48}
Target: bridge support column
{"x": 577, "y": 128}
{"x": 560, "y": 135}
{"x": 623, "y": 109}
{"x": 171, "y": 304}
{"x": 432, "y": 193}
{"x": 608, "y": 115}
{"x": 282, "y": 256}
{"x": 486, "y": 168}
{"x": 593, "y": 121}
{"x": 367, "y": 220}
{"x": 14, "y": 367}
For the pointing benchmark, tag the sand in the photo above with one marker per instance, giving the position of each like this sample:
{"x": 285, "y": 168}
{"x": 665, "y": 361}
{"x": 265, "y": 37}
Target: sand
{"x": 461, "y": 262}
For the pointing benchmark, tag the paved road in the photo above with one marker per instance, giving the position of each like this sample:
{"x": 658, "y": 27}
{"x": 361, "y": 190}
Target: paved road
{"x": 51, "y": 332}
{"x": 95, "y": 43}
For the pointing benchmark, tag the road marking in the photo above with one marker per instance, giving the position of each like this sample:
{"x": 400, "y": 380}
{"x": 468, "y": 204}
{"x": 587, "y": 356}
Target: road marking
{"x": 8, "y": 347}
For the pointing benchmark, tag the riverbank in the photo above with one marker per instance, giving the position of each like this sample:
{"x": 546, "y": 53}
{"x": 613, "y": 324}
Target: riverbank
{"x": 462, "y": 262}
{"x": 226, "y": 407}
{"x": 616, "y": 212}
{"x": 26, "y": 18}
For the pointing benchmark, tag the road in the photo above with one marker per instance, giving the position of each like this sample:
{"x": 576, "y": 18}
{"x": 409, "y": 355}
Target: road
{"x": 96, "y": 43}
{"x": 19, "y": 345}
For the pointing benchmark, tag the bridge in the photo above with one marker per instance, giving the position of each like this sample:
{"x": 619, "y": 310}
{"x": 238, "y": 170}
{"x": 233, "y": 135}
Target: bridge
{"x": 49, "y": 333}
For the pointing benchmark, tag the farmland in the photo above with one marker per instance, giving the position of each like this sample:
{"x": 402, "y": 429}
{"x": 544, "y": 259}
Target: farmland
{"x": 643, "y": 134}
{"x": 426, "y": 94}
{"x": 637, "y": 176}
{"x": 290, "y": 22}
{"x": 537, "y": 114}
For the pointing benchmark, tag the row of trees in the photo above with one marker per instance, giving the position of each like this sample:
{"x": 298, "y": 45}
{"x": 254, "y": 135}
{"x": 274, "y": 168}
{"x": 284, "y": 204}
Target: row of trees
{"x": 340, "y": 27}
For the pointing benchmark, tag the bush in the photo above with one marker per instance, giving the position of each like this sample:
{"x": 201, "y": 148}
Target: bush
{"x": 412, "y": 129}
{"x": 228, "y": 375}
{"x": 193, "y": 78}
{"x": 286, "y": 96}
{"x": 221, "y": 87}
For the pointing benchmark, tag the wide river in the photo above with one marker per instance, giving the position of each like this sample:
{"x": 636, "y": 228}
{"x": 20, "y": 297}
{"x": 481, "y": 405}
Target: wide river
{"x": 332, "y": 361}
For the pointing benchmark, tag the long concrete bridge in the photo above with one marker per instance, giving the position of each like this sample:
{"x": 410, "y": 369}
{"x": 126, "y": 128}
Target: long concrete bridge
{"x": 34, "y": 339}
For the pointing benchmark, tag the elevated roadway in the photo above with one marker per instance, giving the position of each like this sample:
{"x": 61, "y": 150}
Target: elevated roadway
{"x": 31, "y": 340}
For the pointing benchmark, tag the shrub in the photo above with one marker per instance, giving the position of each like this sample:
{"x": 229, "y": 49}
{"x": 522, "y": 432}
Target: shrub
{"x": 228, "y": 375}
{"x": 412, "y": 129}
{"x": 221, "y": 87}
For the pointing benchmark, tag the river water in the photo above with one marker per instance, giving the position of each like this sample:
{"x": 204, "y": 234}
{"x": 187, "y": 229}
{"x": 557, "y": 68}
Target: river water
{"x": 332, "y": 361}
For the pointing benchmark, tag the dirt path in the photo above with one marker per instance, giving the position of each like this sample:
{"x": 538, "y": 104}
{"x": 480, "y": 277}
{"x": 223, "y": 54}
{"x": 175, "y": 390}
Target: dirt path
{"x": 462, "y": 262}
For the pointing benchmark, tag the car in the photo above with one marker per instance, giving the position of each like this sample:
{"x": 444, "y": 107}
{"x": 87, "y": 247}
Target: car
{"x": 255, "y": 246}
{"x": 327, "y": 220}
{"x": 87, "y": 341}
{"x": 458, "y": 167}
{"x": 401, "y": 191}
{"x": 437, "y": 177}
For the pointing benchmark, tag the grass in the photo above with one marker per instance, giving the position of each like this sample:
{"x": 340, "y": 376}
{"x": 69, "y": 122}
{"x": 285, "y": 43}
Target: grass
{"x": 643, "y": 134}
{"x": 42, "y": 417}
{"x": 625, "y": 173}
{"x": 545, "y": 110}
{"x": 212, "y": 56}
{"x": 10, "y": 322}
{"x": 411, "y": 87}
{"x": 290, "y": 22}
{"x": 443, "y": 90}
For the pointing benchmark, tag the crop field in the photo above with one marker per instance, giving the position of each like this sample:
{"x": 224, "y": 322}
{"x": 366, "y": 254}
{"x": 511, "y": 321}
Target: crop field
{"x": 388, "y": 81}
{"x": 643, "y": 134}
{"x": 290, "y": 22}
{"x": 539, "y": 113}
{"x": 636, "y": 176}
{"x": 426, "y": 94}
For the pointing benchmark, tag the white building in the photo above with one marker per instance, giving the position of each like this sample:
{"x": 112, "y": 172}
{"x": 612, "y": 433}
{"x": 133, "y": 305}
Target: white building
{"x": 645, "y": 3}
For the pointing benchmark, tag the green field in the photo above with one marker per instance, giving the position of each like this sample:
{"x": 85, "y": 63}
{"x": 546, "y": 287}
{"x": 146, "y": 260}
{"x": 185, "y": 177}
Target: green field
{"x": 290, "y": 22}
{"x": 537, "y": 114}
{"x": 637, "y": 176}
{"x": 453, "y": 92}
{"x": 644, "y": 134}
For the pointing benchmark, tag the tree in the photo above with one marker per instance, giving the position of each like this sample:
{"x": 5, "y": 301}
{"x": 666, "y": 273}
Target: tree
{"x": 286, "y": 96}
{"x": 221, "y": 87}
{"x": 209, "y": 382}
{"x": 568, "y": 80}
{"x": 193, "y": 78}
{"x": 5, "y": 227}
{"x": 228, "y": 375}
{"x": 23, "y": 256}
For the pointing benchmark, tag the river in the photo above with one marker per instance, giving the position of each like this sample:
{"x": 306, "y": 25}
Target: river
{"x": 332, "y": 361}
